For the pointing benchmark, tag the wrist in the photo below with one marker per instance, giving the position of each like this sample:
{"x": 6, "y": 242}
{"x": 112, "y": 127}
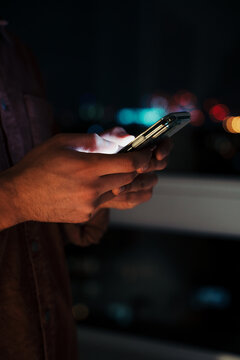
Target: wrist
{"x": 10, "y": 209}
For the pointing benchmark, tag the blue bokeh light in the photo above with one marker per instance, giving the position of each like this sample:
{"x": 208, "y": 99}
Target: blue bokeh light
{"x": 147, "y": 116}
{"x": 211, "y": 297}
{"x": 121, "y": 313}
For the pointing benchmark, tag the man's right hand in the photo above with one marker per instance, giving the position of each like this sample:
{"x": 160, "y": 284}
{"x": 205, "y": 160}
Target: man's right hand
{"x": 56, "y": 183}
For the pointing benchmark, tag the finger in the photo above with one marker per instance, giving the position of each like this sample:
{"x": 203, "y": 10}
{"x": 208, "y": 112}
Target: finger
{"x": 156, "y": 165}
{"x": 117, "y": 135}
{"x": 116, "y": 182}
{"x": 122, "y": 163}
{"x": 102, "y": 199}
{"x": 88, "y": 143}
{"x": 142, "y": 182}
{"x": 136, "y": 198}
{"x": 103, "y": 164}
{"x": 163, "y": 149}
{"x": 128, "y": 200}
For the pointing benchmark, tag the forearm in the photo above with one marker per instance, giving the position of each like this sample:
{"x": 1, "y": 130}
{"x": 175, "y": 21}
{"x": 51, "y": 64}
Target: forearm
{"x": 9, "y": 214}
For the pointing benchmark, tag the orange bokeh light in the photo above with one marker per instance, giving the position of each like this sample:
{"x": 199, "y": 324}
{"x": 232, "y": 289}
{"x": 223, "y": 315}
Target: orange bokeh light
{"x": 232, "y": 124}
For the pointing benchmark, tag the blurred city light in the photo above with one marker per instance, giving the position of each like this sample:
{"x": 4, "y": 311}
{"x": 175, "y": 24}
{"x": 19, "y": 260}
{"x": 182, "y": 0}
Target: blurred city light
{"x": 186, "y": 99}
{"x": 158, "y": 101}
{"x": 154, "y": 107}
{"x": 219, "y": 112}
{"x": 150, "y": 116}
{"x": 80, "y": 312}
{"x": 145, "y": 117}
{"x": 197, "y": 117}
{"x": 211, "y": 297}
{"x": 232, "y": 124}
{"x": 127, "y": 116}
{"x": 121, "y": 313}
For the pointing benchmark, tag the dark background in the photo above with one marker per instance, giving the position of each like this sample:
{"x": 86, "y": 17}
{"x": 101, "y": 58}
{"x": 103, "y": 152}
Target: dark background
{"x": 104, "y": 56}
{"x": 112, "y": 55}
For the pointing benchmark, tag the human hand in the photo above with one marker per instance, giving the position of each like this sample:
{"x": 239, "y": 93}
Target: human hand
{"x": 56, "y": 183}
{"x": 136, "y": 193}
{"x": 121, "y": 138}
{"x": 141, "y": 189}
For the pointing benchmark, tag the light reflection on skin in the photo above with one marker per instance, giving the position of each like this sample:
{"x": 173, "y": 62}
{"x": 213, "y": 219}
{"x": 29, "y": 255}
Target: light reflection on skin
{"x": 108, "y": 143}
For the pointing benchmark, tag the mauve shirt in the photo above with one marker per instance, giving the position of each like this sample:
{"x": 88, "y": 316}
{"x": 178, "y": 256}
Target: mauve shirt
{"x": 36, "y": 319}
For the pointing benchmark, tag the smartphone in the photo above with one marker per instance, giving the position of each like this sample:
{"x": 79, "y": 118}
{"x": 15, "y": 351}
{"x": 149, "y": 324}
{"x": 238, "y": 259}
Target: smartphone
{"x": 165, "y": 127}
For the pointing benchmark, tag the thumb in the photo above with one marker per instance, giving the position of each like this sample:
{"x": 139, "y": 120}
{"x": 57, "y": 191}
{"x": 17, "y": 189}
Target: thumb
{"x": 90, "y": 143}
{"x": 117, "y": 135}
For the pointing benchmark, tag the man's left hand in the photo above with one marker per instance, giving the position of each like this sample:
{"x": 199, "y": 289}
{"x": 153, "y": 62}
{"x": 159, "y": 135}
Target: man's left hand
{"x": 140, "y": 190}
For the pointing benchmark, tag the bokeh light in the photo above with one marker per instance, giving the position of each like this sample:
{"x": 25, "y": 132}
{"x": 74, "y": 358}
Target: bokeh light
{"x": 127, "y": 116}
{"x": 158, "y": 101}
{"x": 148, "y": 117}
{"x": 219, "y": 112}
{"x": 232, "y": 124}
{"x": 145, "y": 117}
{"x": 80, "y": 312}
{"x": 121, "y": 313}
{"x": 211, "y": 297}
{"x": 197, "y": 117}
{"x": 185, "y": 99}
{"x": 154, "y": 107}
